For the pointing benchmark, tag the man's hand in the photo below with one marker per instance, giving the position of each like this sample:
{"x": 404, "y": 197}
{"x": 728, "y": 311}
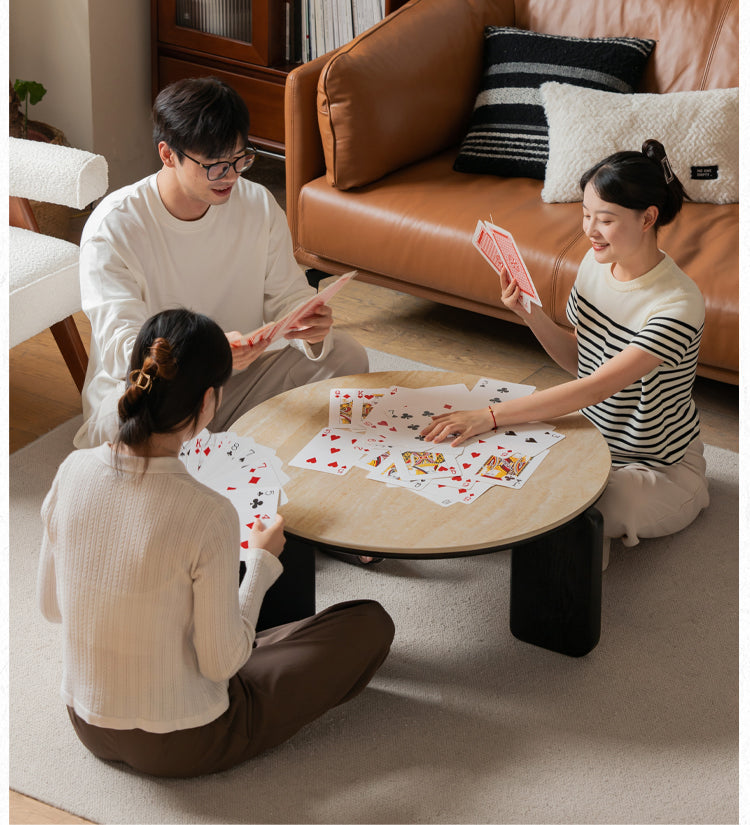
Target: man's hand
{"x": 462, "y": 424}
{"x": 244, "y": 354}
{"x": 313, "y": 327}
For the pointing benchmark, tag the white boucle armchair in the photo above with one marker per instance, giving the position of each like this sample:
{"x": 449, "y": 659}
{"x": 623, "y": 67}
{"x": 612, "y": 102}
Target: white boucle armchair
{"x": 44, "y": 289}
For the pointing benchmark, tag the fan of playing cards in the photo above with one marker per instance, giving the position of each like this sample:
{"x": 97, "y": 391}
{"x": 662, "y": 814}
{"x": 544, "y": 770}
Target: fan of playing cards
{"x": 248, "y": 474}
{"x": 378, "y": 430}
{"x": 500, "y": 250}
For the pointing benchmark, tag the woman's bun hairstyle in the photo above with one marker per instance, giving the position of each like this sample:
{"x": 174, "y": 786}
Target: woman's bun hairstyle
{"x": 637, "y": 180}
{"x": 177, "y": 356}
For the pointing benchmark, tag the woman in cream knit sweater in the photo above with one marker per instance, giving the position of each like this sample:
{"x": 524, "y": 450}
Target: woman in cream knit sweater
{"x": 162, "y": 665}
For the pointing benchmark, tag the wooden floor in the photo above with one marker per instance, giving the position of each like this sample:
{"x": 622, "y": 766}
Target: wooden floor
{"x": 43, "y": 395}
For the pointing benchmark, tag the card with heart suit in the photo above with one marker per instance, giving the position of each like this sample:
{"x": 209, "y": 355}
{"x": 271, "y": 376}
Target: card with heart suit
{"x": 500, "y": 250}
{"x": 370, "y": 397}
{"x": 328, "y": 452}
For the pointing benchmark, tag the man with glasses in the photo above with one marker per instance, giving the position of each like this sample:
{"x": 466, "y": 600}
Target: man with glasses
{"x": 197, "y": 234}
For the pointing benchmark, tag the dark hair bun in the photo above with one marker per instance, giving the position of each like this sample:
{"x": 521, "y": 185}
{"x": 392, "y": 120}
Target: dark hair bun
{"x": 653, "y": 150}
{"x": 177, "y": 356}
{"x": 637, "y": 180}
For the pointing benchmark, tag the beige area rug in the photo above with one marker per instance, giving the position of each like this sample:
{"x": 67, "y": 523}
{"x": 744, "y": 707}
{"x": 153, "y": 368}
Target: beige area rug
{"x": 463, "y": 723}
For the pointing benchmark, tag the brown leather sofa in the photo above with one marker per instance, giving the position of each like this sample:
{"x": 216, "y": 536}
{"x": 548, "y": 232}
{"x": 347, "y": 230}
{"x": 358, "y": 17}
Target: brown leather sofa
{"x": 372, "y": 132}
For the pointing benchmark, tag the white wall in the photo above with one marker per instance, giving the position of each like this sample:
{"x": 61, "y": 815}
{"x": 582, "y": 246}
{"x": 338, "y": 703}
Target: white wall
{"x": 94, "y": 59}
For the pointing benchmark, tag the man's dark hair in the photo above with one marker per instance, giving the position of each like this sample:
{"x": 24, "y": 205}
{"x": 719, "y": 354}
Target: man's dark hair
{"x": 201, "y": 115}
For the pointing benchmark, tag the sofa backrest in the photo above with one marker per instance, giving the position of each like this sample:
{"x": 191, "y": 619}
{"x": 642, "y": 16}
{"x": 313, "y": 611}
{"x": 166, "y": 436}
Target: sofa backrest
{"x": 697, "y": 40}
{"x": 405, "y": 89}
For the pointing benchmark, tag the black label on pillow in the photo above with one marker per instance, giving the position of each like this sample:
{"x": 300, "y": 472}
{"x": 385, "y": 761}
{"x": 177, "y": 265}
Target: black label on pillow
{"x": 704, "y": 172}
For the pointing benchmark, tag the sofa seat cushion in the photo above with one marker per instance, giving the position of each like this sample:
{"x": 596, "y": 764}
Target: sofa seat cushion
{"x": 426, "y": 213}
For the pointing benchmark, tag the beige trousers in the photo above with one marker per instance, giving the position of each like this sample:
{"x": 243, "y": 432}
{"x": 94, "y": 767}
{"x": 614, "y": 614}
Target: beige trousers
{"x": 281, "y": 370}
{"x": 646, "y": 502}
{"x": 273, "y": 373}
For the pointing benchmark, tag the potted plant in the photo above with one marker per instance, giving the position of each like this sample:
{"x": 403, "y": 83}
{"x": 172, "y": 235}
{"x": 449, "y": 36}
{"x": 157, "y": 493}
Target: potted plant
{"x": 22, "y": 94}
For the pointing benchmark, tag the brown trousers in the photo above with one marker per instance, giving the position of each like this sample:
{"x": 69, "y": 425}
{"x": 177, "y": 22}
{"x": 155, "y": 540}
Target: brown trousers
{"x": 295, "y": 674}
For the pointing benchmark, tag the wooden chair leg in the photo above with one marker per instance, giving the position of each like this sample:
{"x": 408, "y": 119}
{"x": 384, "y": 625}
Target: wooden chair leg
{"x": 71, "y": 346}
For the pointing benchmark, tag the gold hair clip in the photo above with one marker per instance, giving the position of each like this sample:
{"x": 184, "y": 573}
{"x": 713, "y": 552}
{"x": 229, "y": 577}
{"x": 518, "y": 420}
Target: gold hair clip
{"x": 142, "y": 380}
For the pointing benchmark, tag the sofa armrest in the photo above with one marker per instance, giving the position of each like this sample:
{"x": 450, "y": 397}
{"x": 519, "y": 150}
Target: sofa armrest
{"x": 404, "y": 89}
{"x": 304, "y": 150}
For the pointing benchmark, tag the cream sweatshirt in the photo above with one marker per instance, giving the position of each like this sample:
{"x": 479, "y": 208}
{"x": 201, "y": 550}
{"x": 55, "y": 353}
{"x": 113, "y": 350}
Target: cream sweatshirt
{"x": 141, "y": 568}
{"x": 235, "y": 264}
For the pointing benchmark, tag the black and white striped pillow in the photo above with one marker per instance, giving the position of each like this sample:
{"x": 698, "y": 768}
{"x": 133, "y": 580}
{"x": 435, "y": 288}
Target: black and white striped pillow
{"x": 508, "y": 131}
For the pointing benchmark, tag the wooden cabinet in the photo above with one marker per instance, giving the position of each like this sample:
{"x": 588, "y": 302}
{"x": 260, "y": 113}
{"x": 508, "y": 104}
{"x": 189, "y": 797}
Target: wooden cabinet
{"x": 240, "y": 41}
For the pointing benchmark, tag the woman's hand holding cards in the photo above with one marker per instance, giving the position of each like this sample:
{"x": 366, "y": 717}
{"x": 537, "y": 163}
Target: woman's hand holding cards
{"x": 511, "y": 294}
{"x": 463, "y": 424}
{"x": 270, "y": 538}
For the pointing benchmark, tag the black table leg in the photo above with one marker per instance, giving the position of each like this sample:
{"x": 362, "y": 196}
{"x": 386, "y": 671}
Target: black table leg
{"x": 556, "y": 587}
{"x": 315, "y": 276}
{"x": 292, "y": 595}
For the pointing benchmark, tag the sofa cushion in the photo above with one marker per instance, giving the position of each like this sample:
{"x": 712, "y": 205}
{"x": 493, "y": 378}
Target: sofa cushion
{"x": 508, "y": 131}
{"x": 384, "y": 103}
{"x": 699, "y": 130}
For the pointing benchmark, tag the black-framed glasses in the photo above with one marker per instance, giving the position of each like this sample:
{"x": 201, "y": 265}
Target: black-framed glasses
{"x": 220, "y": 169}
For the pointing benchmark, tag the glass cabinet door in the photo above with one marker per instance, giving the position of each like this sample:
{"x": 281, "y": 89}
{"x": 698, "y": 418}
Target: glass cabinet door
{"x": 226, "y": 18}
{"x": 251, "y": 31}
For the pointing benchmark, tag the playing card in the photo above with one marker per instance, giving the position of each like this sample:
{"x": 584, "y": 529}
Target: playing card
{"x": 514, "y": 262}
{"x": 494, "y": 391}
{"x": 530, "y": 441}
{"x": 506, "y": 468}
{"x": 275, "y": 329}
{"x": 445, "y": 495}
{"x": 500, "y": 250}
{"x": 433, "y": 461}
{"x": 372, "y": 459}
{"x": 388, "y": 471}
{"x": 345, "y": 409}
{"x": 328, "y": 452}
{"x": 260, "y": 506}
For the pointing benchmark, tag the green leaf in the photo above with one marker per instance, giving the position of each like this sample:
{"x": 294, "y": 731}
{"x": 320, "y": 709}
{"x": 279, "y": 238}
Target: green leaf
{"x": 35, "y": 91}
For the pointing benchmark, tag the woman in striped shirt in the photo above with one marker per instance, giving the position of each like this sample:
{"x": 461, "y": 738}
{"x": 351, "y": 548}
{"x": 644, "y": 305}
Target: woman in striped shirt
{"x": 637, "y": 321}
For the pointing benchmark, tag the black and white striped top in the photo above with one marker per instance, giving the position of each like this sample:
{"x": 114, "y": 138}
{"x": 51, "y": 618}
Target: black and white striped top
{"x": 653, "y": 420}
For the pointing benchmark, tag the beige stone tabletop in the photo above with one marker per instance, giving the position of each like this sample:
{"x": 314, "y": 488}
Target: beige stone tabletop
{"x": 352, "y": 512}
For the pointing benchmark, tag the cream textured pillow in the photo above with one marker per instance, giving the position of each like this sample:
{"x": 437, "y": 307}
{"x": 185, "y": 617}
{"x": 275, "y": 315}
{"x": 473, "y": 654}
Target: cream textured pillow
{"x": 699, "y": 130}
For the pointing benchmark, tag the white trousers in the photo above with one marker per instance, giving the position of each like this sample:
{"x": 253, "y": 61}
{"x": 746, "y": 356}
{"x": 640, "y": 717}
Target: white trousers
{"x": 645, "y": 502}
